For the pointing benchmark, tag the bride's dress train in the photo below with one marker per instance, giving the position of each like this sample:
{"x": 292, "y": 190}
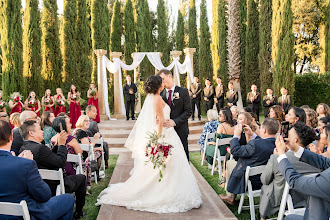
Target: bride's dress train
{"x": 178, "y": 190}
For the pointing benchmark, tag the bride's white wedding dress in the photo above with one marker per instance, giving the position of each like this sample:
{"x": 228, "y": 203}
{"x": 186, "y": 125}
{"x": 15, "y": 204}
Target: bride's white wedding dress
{"x": 178, "y": 190}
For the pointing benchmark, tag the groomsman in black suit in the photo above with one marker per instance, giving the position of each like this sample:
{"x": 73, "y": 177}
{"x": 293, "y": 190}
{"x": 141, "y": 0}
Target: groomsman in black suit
{"x": 219, "y": 98}
{"x": 208, "y": 95}
{"x": 268, "y": 101}
{"x": 285, "y": 100}
{"x": 195, "y": 97}
{"x": 231, "y": 95}
{"x": 129, "y": 91}
{"x": 253, "y": 99}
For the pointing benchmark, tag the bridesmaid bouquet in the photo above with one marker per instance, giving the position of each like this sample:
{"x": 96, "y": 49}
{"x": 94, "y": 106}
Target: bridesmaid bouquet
{"x": 59, "y": 102}
{"x": 31, "y": 103}
{"x": 157, "y": 152}
{"x": 16, "y": 97}
{"x": 74, "y": 97}
{"x": 93, "y": 92}
{"x": 2, "y": 104}
{"x": 47, "y": 101}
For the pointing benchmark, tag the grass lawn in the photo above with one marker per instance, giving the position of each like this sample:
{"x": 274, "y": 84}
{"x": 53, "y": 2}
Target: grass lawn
{"x": 90, "y": 209}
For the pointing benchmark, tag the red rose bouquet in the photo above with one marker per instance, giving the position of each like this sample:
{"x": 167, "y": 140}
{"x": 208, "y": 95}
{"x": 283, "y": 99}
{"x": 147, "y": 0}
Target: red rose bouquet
{"x": 59, "y": 102}
{"x": 32, "y": 103}
{"x": 17, "y": 99}
{"x": 157, "y": 152}
{"x": 47, "y": 101}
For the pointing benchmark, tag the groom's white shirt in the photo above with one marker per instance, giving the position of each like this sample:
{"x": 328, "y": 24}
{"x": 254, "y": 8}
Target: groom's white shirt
{"x": 172, "y": 92}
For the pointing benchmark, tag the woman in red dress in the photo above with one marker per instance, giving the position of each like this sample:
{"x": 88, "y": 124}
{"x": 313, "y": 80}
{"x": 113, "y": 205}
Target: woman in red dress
{"x": 16, "y": 105}
{"x": 32, "y": 103}
{"x": 92, "y": 100}
{"x": 59, "y": 100}
{"x": 48, "y": 101}
{"x": 75, "y": 109}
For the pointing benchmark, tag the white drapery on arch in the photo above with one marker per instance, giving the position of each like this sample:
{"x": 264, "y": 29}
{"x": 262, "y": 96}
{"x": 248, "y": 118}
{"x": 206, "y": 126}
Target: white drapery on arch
{"x": 154, "y": 58}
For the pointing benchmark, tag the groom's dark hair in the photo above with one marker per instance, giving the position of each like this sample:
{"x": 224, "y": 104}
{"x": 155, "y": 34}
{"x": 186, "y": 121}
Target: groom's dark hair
{"x": 165, "y": 71}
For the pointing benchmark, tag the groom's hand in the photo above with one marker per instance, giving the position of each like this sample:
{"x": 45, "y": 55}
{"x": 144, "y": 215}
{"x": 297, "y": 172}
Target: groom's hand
{"x": 168, "y": 123}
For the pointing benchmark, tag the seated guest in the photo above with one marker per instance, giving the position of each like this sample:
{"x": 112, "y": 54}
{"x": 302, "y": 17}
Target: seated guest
{"x": 323, "y": 143}
{"x": 317, "y": 188}
{"x": 273, "y": 180}
{"x": 18, "y": 140}
{"x": 234, "y": 112}
{"x": 255, "y": 122}
{"x": 53, "y": 160}
{"x": 277, "y": 113}
{"x": 4, "y": 116}
{"x": 311, "y": 117}
{"x": 210, "y": 126}
{"x": 296, "y": 114}
{"x": 285, "y": 100}
{"x": 255, "y": 153}
{"x": 269, "y": 100}
{"x": 14, "y": 120}
{"x": 20, "y": 180}
{"x": 91, "y": 112}
{"x": 322, "y": 110}
{"x": 47, "y": 119}
{"x": 247, "y": 109}
{"x": 231, "y": 95}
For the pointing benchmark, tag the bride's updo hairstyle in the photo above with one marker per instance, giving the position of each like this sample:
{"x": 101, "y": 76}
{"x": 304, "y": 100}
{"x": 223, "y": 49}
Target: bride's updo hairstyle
{"x": 152, "y": 84}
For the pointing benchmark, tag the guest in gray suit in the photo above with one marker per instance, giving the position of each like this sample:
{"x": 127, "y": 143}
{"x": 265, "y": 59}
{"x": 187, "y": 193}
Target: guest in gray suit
{"x": 273, "y": 179}
{"x": 317, "y": 188}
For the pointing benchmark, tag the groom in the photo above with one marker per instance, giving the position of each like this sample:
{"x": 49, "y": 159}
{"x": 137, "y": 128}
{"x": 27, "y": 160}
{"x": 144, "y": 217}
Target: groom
{"x": 178, "y": 99}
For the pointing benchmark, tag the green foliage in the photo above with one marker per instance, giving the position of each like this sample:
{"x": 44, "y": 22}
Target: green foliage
{"x": 311, "y": 89}
{"x": 116, "y": 29}
{"x": 325, "y": 36}
{"x": 69, "y": 44}
{"x": 265, "y": 42}
{"x": 252, "y": 46}
{"x": 179, "y": 41}
{"x": 205, "y": 66}
{"x": 50, "y": 46}
{"x": 284, "y": 75}
{"x": 223, "y": 47}
{"x": 193, "y": 38}
{"x": 32, "y": 49}
{"x": 11, "y": 46}
{"x": 129, "y": 33}
{"x": 84, "y": 47}
{"x": 162, "y": 27}
{"x": 242, "y": 28}
{"x": 100, "y": 29}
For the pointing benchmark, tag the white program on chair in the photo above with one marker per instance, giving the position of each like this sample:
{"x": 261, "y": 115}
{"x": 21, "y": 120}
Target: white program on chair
{"x": 207, "y": 137}
{"x": 73, "y": 158}
{"x": 89, "y": 148}
{"x": 250, "y": 171}
{"x": 217, "y": 156}
{"x": 54, "y": 175}
{"x": 15, "y": 209}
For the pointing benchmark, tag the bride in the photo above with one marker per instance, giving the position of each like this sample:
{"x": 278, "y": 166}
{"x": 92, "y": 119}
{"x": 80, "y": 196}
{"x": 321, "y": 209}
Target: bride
{"x": 178, "y": 190}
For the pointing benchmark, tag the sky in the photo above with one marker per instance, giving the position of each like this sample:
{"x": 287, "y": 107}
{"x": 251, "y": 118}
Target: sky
{"x": 172, "y": 4}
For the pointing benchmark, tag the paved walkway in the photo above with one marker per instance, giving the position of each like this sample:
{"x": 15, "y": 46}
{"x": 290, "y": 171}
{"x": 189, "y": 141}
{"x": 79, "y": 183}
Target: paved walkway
{"x": 212, "y": 208}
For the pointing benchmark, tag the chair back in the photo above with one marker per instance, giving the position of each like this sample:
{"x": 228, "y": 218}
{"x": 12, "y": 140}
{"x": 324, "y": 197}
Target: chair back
{"x": 252, "y": 171}
{"x": 223, "y": 141}
{"x": 73, "y": 158}
{"x": 54, "y": 175}
{"x": 15, "y": 209}
{"x": 208, "y": 136}
{"x": 85, "y": 147}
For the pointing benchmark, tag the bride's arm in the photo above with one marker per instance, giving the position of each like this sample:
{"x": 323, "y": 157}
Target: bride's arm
{"x": 159, "y": 113}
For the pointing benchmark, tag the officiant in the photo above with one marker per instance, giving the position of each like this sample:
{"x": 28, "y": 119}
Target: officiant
{"x": 129, "y": 91}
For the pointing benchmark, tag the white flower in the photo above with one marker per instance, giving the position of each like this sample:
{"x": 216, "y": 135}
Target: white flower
{"x": 176, "y": 95}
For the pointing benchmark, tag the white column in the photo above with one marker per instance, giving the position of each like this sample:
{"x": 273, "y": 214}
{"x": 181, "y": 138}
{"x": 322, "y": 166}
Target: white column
{"x": 190, "y": 52}
{"x": 176, "y": 55}
{"x": 99, "y": 53}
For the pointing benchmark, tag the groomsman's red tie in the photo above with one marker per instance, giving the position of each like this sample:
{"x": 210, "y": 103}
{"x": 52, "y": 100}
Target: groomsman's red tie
{"x": 169, "y": 100}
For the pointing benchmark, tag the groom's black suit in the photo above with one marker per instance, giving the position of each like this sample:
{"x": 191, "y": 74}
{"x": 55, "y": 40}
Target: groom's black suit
{"x": 180, "y": 112}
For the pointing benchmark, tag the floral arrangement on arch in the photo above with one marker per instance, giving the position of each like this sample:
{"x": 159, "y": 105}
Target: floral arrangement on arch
{"x": 157, "y": 152}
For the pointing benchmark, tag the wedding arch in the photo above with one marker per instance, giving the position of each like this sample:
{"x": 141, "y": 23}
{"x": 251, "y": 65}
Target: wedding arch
{"x": 116, "y": 65}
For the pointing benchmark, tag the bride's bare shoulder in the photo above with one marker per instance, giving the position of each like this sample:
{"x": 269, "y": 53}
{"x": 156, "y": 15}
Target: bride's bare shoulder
{"x": 159, "y": 100}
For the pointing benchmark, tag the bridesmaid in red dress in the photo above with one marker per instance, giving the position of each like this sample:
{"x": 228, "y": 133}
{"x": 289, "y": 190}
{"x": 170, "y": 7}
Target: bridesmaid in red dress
{"x": 32, "y": 103}
{"x": 59, "y": 100}
{"x": 16, "y": 104}
{"x": 92, "y": 100}
{"x": 48, "y": 101}
{"x": 75, "y": 109}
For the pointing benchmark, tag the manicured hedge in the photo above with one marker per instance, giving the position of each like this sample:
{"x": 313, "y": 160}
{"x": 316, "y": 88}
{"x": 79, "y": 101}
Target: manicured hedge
{"x": 311, "y": 89}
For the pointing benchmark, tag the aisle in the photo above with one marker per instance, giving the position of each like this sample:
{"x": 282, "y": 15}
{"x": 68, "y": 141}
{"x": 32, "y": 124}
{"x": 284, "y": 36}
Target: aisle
{"x": 212, "y": 208}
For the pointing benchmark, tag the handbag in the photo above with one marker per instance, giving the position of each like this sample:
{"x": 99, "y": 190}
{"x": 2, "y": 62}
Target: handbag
{"x": 94, "y": 166}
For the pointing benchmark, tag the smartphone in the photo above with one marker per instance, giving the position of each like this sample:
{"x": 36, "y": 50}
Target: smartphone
{"x": 244, "y": 127}
{"x": 285, "y": 129}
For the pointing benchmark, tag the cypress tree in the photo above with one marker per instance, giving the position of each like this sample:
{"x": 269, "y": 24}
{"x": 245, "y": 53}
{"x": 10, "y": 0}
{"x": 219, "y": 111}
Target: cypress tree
{"x": 116, "y": 29}
{"x": 282, "y": 46}
{"x": 265, "y": 42}
{"x": 205, "y": 66}
{"x": 129, "y": 33}
{"x": 215, "y": 48}
{"x": 11, "y": 46}
{"x": 162, "y": 37}
{"x": 32, "y": 48}
{"x": 242, "y": 28}
{"x": 179, "y": 34}
{"x": 324, "y": 38}
{"x": 252, "y": 46}
{"x": 223, "y": 47}
{"x": 69, "y": 42}
{"x": 193, "y": 38}
{"x": 50, "y": 46}
{"x": 100, "y": 29}
{"x": 84, "y": 45}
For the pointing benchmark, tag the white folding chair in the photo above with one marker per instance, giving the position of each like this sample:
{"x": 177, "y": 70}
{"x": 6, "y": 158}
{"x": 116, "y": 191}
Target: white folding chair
{"x": 73, "y": 158}
{"x": 54, "y": 175}
{"x": 89, "y": 148}
{"x": 250, "y": 171}
{"x": 100, "y": 142}
{"x": 207, "y": 137}
{"x": 15, "y": 209}
{"x": 217, "y": 156}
